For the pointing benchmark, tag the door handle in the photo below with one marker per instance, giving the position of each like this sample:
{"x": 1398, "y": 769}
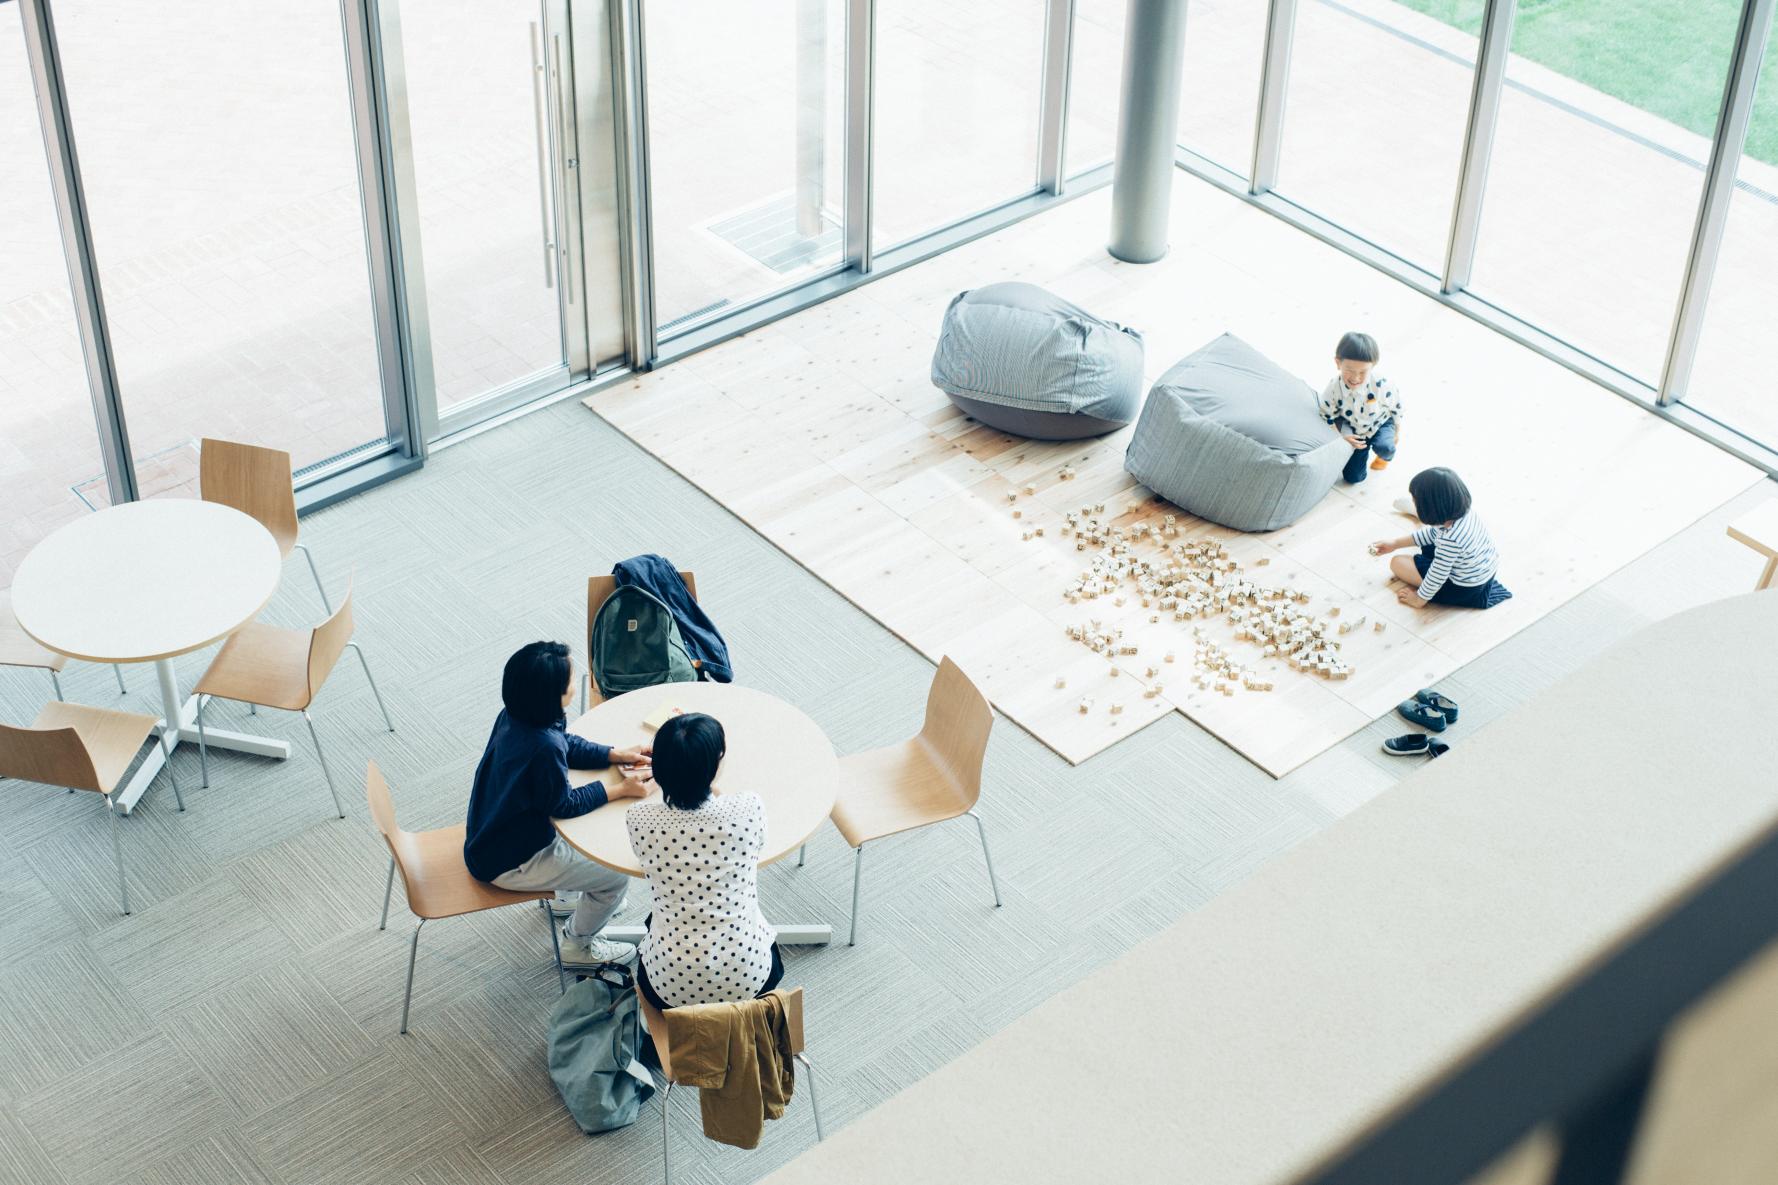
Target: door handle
{"x": 565, "y": 127}
{"x": 543, "y": 173}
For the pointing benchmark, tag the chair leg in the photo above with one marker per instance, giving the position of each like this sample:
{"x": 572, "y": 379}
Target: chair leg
{"x": 814, "y": 1100}
{"x": 55, "y": 681}
{"x": 123, "y": 884}
{"x": 666, "y": 1135}
{"x": 586, "y": 678}
{"x": 203, "y": 745}
{"x": 388, "y": 890}
{"x": 987, "y": 857}
{"x": 252, "y": 709}
{"x": 857, "y": 877}
{"x": 802, "y": 855}
{"x": 172, "y": 777}
{"x": 118, "y": 671}
{"x": 555, "y": 942}
{"x": 407, "y": 995}
{"x": 316, "y": 573}
{"x": 325, "y": 772}
{"x": 373, "y": 686}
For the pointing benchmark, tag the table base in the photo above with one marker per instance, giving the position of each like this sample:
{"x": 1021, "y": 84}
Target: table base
{"x": 187, "y": 714}
{"x": 787, "y": 935}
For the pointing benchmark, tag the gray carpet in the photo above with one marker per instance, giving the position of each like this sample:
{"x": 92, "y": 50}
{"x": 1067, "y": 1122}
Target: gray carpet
{"x": 241, "y": 1026}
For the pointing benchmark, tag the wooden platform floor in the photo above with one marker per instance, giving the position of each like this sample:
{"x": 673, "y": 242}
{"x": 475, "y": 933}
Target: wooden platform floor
{"x": 823, "y": 432}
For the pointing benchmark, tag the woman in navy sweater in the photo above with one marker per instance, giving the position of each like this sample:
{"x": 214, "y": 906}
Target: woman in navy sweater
{"x": 522, "y": 782}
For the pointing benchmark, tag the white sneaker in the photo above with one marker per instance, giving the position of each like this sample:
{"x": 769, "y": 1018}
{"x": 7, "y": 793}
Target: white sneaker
{"x": 563, "y": 903}
{"x": 1405, "y": 506}
{"x": 591, "y": 952}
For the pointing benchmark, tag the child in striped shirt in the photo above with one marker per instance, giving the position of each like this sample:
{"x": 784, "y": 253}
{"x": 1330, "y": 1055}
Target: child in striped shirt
{"x": 1362, "y": 405}
{"x": 1457, "y": 563}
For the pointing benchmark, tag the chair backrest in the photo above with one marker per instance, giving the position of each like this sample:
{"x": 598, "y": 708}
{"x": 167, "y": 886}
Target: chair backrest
{"x": 19, "y": 649}
{"x": 382, "y": 807}
{"x": 328, "y": 642}
{"x": 598, "y": 591}
{"x": 958, "y": 720}
{"x": 657, "y": 1026}
{"x": 256, "y": 481}
{"x": 54, "y": 755}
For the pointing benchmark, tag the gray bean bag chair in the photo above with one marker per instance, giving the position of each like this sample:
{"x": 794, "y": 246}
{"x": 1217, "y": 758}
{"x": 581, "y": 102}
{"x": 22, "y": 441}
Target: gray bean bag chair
{"x": 1231, "y": 436}
{"x": 1027, "y": 362}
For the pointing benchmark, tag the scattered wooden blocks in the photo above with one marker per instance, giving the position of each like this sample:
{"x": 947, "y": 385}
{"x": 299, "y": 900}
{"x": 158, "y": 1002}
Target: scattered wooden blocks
{"x": 1378, "y": 628}
{"x": 1061, "y": 681}
{"x": 1030, "y": 489}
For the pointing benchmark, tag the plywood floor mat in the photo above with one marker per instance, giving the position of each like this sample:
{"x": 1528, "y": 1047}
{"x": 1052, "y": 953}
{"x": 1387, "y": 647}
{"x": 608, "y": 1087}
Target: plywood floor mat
{"x": 823, "y": 432}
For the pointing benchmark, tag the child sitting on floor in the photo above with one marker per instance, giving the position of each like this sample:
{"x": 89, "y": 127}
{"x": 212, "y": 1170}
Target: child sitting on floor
{"x": 1457, "y": 563}
{"x": 1363, "y": 405}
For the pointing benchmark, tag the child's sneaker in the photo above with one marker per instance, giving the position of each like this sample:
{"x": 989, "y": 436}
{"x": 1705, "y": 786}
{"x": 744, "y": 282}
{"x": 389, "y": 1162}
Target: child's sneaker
{"x": 1379, "y": 463}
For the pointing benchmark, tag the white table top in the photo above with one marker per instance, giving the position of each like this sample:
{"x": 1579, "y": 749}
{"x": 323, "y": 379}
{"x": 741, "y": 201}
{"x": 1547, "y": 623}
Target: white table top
{"x": 773, "y": 750}
{"x": 146, "y": 580}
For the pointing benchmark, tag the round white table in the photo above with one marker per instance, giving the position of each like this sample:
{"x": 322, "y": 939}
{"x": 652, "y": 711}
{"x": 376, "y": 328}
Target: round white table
{"x": 774, "y": 750}
{"x": 147, "y": 582}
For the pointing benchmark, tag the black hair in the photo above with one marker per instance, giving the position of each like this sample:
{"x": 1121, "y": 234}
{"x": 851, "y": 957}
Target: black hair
{"x": 687, "y": 750}
{"x": 1439, "y": 496}
{"x": 534, "y": 681}
{"x": 1357, "y": 347}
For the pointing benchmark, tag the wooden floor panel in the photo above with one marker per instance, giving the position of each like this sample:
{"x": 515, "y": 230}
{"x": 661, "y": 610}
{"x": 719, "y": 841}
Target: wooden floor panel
{"x": 823, "y": 432}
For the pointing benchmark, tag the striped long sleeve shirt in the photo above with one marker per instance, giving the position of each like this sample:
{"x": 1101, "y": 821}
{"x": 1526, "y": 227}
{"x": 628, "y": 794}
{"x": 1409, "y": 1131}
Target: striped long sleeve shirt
{"x": 1462, "y": 553}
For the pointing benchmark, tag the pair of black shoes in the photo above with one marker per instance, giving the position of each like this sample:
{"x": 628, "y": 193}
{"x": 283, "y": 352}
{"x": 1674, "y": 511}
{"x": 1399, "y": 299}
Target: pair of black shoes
{"x": 1431, "y": 711}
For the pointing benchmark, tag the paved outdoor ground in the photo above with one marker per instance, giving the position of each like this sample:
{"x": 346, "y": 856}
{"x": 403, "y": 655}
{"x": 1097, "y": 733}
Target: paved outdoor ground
{"x": 218, "y": 161}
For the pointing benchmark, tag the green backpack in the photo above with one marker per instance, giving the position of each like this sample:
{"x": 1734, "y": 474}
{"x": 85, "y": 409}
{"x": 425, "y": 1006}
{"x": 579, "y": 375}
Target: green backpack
{"x": 635, "y": 643}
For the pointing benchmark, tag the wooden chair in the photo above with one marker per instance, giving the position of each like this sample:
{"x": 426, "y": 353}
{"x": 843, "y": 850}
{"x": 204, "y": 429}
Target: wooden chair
{"x": 437, "y": 882}
{"x": 257, "y": 482}
{"x": 19, "y": 649}
{"x": 82, "y": 748}
{"x": 933, "y": 777}
{"x": 598, "y": 591}
{"x": 657, "y": 1035}
{"x": 278, "y": 668}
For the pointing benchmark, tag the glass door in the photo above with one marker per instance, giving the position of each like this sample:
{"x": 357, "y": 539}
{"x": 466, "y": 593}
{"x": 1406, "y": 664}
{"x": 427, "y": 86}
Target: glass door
{"x": 509, "y": 107}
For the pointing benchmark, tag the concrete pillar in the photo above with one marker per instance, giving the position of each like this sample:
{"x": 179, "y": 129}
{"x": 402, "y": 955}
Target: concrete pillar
{"x": 1147, "y": 129}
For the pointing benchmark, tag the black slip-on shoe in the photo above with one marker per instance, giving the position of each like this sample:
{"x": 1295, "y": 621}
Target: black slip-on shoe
{"x": 1413, "y": 744}
{"x": 1446, "y": 706}
{"x": 1425, "y": 715}
{"x": 1436, "y": 748}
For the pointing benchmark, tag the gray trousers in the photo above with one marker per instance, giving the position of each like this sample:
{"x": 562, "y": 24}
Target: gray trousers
{"x": 561, "y": 867}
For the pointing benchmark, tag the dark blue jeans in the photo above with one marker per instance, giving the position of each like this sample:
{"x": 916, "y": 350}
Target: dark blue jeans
{"x": 1358, "y": 467}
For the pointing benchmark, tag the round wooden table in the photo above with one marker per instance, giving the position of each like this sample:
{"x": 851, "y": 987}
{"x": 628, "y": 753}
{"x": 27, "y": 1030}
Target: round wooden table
{"x": 774, "y": 750}
{"x": 147, "y": 582}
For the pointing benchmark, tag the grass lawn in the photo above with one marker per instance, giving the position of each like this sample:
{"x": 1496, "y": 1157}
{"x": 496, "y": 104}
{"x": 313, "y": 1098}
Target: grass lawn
{"x": 1668, "y": 57}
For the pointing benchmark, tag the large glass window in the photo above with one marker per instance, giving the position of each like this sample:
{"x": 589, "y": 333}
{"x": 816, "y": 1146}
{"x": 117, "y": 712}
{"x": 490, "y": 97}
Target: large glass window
{"x": 480, "y": 79}
{"x": 1096, "y": 76}
{"x": 1735, "y": 378}
{"x": 1597, "y": 169}
{"x": 1373, "y": 123}
{"x": 1219, "y": 96}
{"x": 49, "y": 449}
{"x": 218, "y": 161}
{"x": 746, "y": 119}
{"x": 956, "y": 110}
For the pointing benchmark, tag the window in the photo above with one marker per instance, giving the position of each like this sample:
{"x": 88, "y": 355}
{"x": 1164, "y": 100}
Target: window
{"x": 956, "y": 106}
{"x": 1219, "y": 97}
{"x": 1095, "y": 82}
{"x": 1597, "y": 169}
{"x": 220, "y": 177}
{"x": 746, "y": 119}
{"x": 1374, "y": 118}
{"x": 49, "y": 448}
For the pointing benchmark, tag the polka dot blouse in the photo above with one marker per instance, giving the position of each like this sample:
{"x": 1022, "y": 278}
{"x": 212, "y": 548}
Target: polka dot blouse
{"x": 708, "y": 943}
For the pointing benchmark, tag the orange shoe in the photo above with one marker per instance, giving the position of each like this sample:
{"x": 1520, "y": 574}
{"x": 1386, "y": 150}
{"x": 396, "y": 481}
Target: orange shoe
{"x": 1379, "y": 463}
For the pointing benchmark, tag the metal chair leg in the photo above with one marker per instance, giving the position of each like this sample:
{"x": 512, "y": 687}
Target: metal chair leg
{"x": 407, "y": 995}
{"x": 203, "y": 745}
{"x": 118, "y": 671}
{"x": 123, "y": 884}
{"x": 252, "y": 709}
{"x": 814, "y": 1100}
{"x": 586, "y": 679}
{"x": 666, "y": 1135}
{"x": 56, "y": 682}
{"x": 325, "y": 772}
{"x": 388, "y": 890}
{"x": 987, "y": 857}
{"x": 555, "y": 942}
{"x": 373, "y": 685}
{"x": 802, "y": 855}
{"x": 168, "y": 766}
{"x": 857, "y": 876}
{"x": 316, "y": 573}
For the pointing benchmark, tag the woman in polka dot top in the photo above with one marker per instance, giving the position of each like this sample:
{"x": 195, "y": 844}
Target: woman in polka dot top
{"x": 707, "y": 942}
